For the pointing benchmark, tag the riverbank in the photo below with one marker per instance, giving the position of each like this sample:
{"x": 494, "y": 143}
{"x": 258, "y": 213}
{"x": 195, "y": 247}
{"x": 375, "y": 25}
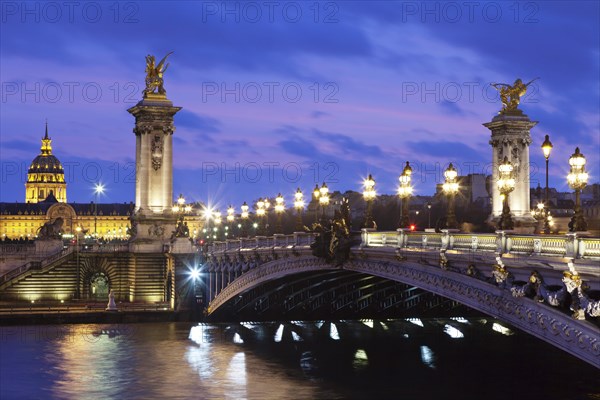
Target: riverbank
{"x": 90, "y": 317}
{"x": 88, "y": 313}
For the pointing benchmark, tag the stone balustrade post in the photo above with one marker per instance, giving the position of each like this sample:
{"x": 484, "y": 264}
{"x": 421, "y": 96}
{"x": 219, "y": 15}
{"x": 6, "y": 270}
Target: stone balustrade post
{"x": 278, "y": 239}
{"x": 298, "y": 238}
{"x": 364, "y": 236}
{"x": 502, "y": 242}
{"x": 571, "y": 244}
{"x": 402, "y": 236}
{"x": 448, "y": 238}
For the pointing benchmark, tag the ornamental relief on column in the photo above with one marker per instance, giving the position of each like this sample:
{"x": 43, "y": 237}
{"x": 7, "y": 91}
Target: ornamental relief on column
{"x": 157, "y": 152}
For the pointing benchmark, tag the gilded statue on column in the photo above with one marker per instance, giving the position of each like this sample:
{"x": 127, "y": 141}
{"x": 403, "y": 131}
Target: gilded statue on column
{"x": 510, "y": 95}
{"x": 154, "y": 76}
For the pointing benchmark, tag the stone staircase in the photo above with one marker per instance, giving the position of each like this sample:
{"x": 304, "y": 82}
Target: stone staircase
{"x": 55, "y": 282}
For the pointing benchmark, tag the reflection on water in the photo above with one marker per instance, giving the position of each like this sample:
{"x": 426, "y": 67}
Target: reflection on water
{"x": 416, "y": 358}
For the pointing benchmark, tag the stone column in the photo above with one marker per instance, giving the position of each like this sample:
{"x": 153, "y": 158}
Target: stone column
{"x": 511, "y": 138}
{"x": 154, "y": 153}
{"x": 154, "y": 172}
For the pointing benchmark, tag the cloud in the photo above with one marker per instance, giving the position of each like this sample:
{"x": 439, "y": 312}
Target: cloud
{"x": 444, "y": 150}
{"x": 20, "y": 145}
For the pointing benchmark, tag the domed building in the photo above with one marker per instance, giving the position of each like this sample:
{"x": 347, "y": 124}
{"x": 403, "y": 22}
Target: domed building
{"x": 46, "y": 200}
{"x": 46, "y": 176}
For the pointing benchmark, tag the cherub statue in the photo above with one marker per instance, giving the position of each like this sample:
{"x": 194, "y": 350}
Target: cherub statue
{"x": 510, "y": 95}
{"x": 154, "y": 75}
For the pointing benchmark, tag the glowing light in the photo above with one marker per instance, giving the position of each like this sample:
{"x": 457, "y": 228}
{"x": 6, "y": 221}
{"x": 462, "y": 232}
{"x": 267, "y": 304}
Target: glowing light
{"x": 194, "y": 274}
{"x": 333, "y": 332}
{"x": 279, "y": 333}
{"x": 501, "y": 329}
{"x": 367, "y": 322}
{"x": 453, "y": 332}
{"x": 427, "y": 357}
{"x": 237, "y": 339}
{"x": 360, "y": 359}
{"x": 384, "y": 325}
{"x": 416, "y": 321}
{"x": 462, "y": 320}
{"x": 319, "y": 324}
{"x": 296, "y": 337}
{"x": 248, "y": 325}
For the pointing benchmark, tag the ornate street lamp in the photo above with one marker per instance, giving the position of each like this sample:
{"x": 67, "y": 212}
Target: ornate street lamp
{"x": 316, "y": 195}
{"x": 244, "y": 217}
{"x": 450, "y": 187}
{"x": 180, "y": 209}
{"x": 260, "y": 213}
{"x": 547, "y": 148}
{"x": 324, "y": 198}
{"x": 369, "y": 194}
{"x": 267, "y": 225}
{"x": 404, "y": 191}
{"x": 299, "y": 206}
{"x": 279, "y": 209}
{"x": 217, "y": 218}
{"x": 506, "y": 184}
{"x": 577, "y": 179}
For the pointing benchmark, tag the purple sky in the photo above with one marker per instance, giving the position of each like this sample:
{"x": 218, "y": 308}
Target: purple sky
{"x": 287, "y": 94}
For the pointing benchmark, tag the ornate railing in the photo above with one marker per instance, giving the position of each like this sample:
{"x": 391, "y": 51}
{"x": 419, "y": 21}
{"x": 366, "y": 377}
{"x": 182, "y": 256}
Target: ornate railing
{"x": 277, "y": 240}
{"x": 570, "y": 245}
{"x": 16, "y": 248}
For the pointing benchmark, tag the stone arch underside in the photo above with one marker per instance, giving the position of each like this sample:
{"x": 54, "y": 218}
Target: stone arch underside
{"x": 579, "y": 338}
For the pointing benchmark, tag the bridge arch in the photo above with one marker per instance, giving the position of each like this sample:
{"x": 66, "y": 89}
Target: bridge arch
{"x": 579, "y": 338}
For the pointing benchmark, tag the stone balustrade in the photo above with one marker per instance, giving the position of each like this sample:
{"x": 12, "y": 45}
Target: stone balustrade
{"x": 502, "y": 242}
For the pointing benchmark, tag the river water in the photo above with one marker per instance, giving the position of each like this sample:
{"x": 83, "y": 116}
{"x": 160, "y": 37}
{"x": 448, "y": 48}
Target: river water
{"x": 395, "y": 359}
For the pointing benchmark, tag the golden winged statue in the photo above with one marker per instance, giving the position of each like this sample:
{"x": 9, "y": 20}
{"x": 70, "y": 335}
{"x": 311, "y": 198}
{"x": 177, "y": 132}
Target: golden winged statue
{"x": 154, "y": 75}
{"x": 510, "y": 95}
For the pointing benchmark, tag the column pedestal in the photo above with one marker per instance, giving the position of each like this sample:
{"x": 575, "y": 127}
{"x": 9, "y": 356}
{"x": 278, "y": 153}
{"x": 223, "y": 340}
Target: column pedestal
{"x": 511, "y": 138}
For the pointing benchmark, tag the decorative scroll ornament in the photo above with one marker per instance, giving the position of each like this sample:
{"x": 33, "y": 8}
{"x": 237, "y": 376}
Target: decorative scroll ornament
{"x": 157, "y": 152}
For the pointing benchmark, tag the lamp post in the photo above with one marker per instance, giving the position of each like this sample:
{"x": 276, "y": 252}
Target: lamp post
{"x": 323, "y": 198}
{"x": 267, "y": 225}
{"x": 428, "y": 215}
{"x": 577, "y": 179}
{"x": 316, "y": 195}
{"x": 404, "y": 191}
{"x": 506, "y": 184}
{"x": 230, "y": 217}
{"x": 180, "y": 209}
{"x": 547, "y": 148}
{"x": 369, "y": 195}
{"x": 260, "y": 213}
{"x": 78, "y": 287}
{"x": 450, "y": 187}
{"x": 279, "y": 209}
{"x": 98, "y": 189}
{"x": 539, "y": 214}
{"x": 218, "y": 220}
{"x": 299, "y": 205}
{"x": 244, "y": 216}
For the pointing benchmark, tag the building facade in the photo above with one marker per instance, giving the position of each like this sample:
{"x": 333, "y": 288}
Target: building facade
{"x": 46, "y": 200}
